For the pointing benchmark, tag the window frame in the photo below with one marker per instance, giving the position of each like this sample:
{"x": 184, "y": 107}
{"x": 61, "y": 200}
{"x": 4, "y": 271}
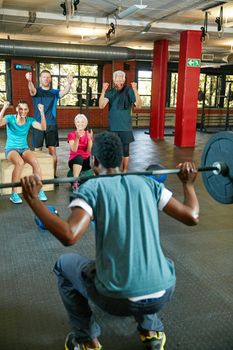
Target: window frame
{"x": 143, "y": 66}
{"x": 87, "y": 77}
{"x": 7, "y": 90}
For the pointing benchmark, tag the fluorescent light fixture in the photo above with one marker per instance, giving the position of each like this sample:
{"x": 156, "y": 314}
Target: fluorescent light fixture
{"x": 130, "y": 10}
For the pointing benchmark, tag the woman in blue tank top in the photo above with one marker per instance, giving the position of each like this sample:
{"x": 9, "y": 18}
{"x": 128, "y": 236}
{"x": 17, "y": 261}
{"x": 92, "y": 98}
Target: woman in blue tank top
{"x": 16, "y": 148}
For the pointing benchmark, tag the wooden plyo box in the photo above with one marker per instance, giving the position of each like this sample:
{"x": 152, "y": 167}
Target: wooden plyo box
{"x": 46, "y": 164}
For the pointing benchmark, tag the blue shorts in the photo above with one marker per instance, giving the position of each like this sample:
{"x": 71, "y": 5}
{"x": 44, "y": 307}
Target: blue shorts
{"x": 19, "y": 150}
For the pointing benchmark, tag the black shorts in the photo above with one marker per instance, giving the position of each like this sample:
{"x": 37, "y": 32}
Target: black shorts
{"x": 50, "y": 135}
{"x": 85, "y": 163}
{"x": 126, "y": 138}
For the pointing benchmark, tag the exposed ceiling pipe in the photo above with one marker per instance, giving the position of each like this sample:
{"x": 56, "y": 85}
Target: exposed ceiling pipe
{"x": 20, "y": 48}
{"x": 70, "y": 51}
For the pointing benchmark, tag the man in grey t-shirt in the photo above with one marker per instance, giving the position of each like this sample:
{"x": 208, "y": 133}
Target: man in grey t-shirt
{"x": 120, "y": 99}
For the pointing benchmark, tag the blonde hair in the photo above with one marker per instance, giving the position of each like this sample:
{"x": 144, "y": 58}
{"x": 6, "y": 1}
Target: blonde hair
{"x": 80, "y": 116}
{"x": 118, "y": 73}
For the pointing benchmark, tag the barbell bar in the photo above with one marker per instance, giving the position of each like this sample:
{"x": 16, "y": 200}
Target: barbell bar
{"x": 216, "y": 168}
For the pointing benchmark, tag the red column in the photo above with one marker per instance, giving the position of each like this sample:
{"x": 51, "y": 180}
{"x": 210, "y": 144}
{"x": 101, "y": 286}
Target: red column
{"x": 188, "y": 83}
{"x": 158, "y": 91}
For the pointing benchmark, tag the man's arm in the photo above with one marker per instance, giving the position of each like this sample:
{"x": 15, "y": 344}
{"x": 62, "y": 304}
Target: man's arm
{"x": 42, "y": 125}
{"x": 31, "y": 87}
{"x": 67, "y": 232}
{"x": 103, "y": 101}
{"x": 4, "y": 108}
{"x": 138, "y": 102}
{"x": 67, "y": 88}
{"x": 188, "y": 211}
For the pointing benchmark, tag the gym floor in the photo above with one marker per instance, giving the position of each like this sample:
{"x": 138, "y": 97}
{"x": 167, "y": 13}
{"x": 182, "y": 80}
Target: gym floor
{"x": 200, "y": 315}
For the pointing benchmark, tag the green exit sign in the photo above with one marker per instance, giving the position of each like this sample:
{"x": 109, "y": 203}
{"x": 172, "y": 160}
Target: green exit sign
{"x": 194, "y": 62}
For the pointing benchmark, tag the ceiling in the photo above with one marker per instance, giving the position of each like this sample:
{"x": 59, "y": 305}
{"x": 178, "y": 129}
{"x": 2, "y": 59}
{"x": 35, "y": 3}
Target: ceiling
{"x": 88, "y": 24}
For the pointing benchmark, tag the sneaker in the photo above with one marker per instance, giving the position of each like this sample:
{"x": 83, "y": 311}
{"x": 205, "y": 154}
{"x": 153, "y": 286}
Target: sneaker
{"x": 71, "y": 344}
{"x": 155, "y": 341}
{"x": 42, "y": 197}
{"x": 15, "y": 198}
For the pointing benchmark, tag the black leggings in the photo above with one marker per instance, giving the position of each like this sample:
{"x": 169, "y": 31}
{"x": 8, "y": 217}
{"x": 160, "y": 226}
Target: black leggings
{"x": 125, "y": 149}
{"x": 84, "y": 163}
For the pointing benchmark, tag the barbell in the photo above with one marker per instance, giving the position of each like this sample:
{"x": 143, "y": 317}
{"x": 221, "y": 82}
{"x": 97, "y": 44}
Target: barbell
{"x": 216, "y": 168}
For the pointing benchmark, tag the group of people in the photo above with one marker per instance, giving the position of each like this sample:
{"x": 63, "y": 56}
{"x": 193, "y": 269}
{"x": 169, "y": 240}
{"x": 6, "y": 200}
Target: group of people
{"x": 44, "y": 126}
{"x": 130, "y": 275}
{"x": 45, "y": 129}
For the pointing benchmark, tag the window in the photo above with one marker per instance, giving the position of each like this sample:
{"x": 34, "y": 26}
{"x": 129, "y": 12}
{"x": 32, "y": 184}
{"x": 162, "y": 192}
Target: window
{"x": 210, "y": 86}
{"x": 173, "y": 89}
{"x": 84, "y": 90}
{"x": 228, "y": 94}
{"x": 144, "y": 86}
{"x": 3, "y": 89}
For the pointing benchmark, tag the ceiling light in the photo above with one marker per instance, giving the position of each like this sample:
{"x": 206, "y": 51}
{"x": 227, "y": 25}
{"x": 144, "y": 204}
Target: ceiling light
{"x": 130, "y": 10}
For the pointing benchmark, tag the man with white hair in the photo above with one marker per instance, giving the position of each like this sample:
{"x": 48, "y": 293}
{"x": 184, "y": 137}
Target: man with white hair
{"x": 120, "y": 99}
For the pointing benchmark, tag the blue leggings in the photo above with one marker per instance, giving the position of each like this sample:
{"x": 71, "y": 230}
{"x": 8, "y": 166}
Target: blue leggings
{"x": 76, "y": 289}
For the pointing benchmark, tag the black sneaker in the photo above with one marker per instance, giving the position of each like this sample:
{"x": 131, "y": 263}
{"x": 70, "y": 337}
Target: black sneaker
{"x": 71, "y": 344}
{"x": 155, "y": 341}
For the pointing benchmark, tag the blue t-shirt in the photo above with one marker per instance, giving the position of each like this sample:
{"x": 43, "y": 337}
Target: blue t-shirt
{"x": 17, "y": 134}
{"x": 119, "y": 115}
{"x": 49, "y": 99}
{"x": 129, "y": 258}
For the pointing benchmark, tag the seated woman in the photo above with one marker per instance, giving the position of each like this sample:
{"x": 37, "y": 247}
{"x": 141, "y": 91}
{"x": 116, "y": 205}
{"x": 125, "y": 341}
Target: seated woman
{"x": 16, "y": 148}
{"x": 80, "y": 142}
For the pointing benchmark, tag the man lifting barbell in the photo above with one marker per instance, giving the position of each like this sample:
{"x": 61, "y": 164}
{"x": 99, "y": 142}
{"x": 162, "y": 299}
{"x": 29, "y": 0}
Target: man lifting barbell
{"x": 131, "y": 275}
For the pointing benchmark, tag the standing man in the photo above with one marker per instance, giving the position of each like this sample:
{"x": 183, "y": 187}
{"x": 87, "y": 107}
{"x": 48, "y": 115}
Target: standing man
{"x": 120, "y": 99}
{"x": 130, "y": 274}
{"x": 48, "y": 97}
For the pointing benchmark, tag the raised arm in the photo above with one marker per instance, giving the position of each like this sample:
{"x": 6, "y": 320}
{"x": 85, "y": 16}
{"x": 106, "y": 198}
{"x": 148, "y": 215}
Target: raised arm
{"x": 31, "y": 87}
{"x": 188, "y": 211}
{"x": 67, "y": 232}
{"x": 3, "y": 110}
{"x": 42, "y": 125}
{"x": 103, "y": 101}
{"x": 75, "y": 142}
{"x": 67, "y": 87}
{"x": 90, "y": 140}
{"x": 138, "y": 102}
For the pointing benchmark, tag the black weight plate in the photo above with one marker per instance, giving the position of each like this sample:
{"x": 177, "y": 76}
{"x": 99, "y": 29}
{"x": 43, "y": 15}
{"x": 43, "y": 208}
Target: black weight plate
{"x": 219, "y": 148}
